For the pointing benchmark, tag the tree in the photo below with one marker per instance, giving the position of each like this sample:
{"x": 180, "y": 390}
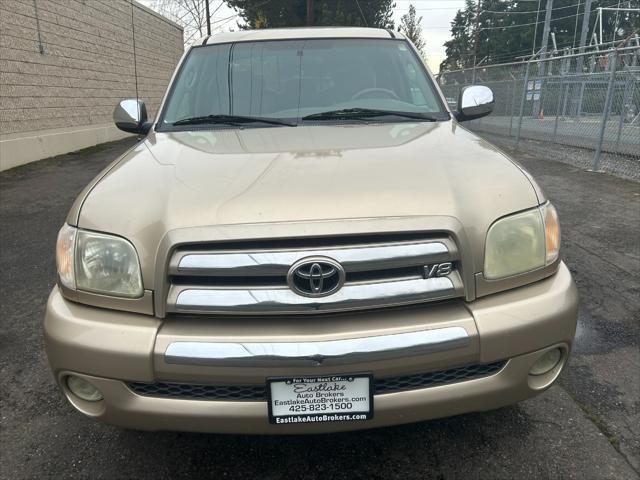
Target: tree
{"x": 457, "y": 49}
{"x": 190, "y": 14}
{"x": 509, "y": 31}
{"x": 410, "y": 26}
{"x": 293, "y": 13}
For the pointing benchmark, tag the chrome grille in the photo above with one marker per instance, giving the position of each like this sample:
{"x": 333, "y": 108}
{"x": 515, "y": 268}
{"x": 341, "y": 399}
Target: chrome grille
{"x": 258, "y": 393}
{"x": 247, "y": 280}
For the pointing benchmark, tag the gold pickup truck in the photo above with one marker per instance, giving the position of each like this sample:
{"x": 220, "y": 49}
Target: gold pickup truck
{"x": 307, "y": 239}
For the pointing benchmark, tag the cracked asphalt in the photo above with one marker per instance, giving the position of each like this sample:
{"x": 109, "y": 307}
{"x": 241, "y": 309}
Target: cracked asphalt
{"x": 585, "y": 427}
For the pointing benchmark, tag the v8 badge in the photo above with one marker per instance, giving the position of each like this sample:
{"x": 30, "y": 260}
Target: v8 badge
{"x": 438, "y": 270}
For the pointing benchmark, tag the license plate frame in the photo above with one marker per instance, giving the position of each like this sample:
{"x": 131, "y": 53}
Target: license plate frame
{"x": 335, "y": 405}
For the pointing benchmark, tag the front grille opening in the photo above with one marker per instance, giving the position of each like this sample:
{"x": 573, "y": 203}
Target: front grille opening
{"x": 379, "y": 275}
{"x": 386, "y": 274}
{"x": 231, "y": 281}
{"x": 258, "y": 393}
{"x": 315, "y": 242}
{"x": 363, "y": 315}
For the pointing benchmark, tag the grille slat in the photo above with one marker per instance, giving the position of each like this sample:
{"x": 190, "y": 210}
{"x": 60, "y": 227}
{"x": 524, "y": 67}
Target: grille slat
{"x": 283, "y": 300}
{"x": 258, "y": 393}
{"x": 259, "y": 263}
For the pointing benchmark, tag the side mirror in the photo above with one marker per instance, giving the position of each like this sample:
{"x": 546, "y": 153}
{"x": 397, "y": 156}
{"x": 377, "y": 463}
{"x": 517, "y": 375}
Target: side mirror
{"x": 131, "y": 116}
{"x": 475, "y": 101}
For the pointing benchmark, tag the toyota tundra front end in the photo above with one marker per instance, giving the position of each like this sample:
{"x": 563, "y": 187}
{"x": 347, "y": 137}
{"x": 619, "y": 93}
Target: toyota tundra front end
{"x": 307, "y": 240}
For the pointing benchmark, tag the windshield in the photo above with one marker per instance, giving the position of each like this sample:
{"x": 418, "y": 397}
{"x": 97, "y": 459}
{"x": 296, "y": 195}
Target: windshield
{"x": 290, "y": 80}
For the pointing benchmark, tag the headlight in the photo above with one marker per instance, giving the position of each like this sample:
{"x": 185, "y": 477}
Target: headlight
{"x": 107, "y": 264}
{"x": 522, "y": 242}
{"x": 99, "y": 263}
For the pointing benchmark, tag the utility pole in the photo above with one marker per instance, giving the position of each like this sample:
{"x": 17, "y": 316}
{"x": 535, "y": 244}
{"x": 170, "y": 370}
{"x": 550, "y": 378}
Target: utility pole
{"x": 543, "y": 54}
{"x": 535, "y": 31}
{"x": 615, "y": 26}
{"x": 600, "y": 22}
{"x": 546, "y": 31}
{"x": 585, "y": 27}
{"x": 309, "y": 13}
{"x": 584, "y": 33}
{"x": 475, "y": 41}
{"x": 206, "y": 5}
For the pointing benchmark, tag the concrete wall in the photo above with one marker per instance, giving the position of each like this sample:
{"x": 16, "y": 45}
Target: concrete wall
{"x": 65, "y": 64}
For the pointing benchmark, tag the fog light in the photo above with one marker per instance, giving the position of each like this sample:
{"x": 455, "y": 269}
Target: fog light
{"x": 81, "y": 388}
{"x": 546, "y": 362}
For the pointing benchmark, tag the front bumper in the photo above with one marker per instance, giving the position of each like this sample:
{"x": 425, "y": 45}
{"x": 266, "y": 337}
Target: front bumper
{"x": 110, "y": 347}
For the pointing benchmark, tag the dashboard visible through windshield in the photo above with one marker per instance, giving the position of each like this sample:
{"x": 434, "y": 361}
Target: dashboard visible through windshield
{"x": 294, "y": 81}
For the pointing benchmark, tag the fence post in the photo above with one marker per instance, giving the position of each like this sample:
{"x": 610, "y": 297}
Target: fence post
{"x": 629, "y": 88}
{"x": 627, "y": 99}
{"x": 559, "y": 102}
{"x": 513, "y": 106}
{"x": 566, "y": 97}
{"x": 607, "y": 108}
{"x": 524, "y": 95}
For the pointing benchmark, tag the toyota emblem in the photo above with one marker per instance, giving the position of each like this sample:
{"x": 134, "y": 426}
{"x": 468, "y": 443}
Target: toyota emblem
{"x": 316, "y": 277}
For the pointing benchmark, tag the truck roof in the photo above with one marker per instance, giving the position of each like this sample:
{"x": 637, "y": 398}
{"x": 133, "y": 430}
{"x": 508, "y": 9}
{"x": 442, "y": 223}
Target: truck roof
{"x": 297, "y": 33}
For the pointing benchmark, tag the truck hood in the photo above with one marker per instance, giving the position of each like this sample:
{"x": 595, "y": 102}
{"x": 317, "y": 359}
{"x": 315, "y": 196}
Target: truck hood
{"x": 303, "y": 175}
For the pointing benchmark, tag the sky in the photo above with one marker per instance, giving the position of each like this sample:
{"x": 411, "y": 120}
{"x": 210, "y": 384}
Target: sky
{"x": 436, "y": 22}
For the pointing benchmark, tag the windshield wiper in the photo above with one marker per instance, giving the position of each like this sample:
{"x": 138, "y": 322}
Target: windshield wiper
{"x": 367, "y": 113}
{"x": 230, "y": 120}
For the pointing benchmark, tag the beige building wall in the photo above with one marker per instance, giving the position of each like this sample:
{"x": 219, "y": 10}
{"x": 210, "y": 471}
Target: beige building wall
{"x": 65, "y": 64}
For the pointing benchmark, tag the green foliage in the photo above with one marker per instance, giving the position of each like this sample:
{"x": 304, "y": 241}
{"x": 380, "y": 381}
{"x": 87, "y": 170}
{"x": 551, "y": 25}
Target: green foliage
{"x": 500, "y": 45}
{"x": 293, "y": 13}
{"x": 410, "y": 26}
{"x": 459, "y": 47}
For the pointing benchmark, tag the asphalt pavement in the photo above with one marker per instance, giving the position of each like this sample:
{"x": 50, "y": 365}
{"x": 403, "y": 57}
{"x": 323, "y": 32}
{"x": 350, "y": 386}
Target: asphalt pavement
{"x": 587, "y": 426}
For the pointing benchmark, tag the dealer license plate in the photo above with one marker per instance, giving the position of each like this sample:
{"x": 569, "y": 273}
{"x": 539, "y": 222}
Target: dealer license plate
{"x": 333, "y": 398}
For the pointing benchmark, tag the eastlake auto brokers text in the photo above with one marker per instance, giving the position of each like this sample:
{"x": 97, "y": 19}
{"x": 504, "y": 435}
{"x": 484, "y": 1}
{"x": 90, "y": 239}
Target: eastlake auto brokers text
{"x": 336, "y": 417}
{"x": 325, "y": 392}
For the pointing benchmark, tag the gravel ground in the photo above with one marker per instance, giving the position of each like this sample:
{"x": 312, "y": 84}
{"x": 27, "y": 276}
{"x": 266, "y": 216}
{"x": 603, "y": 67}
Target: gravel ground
{"x": 585, "y": 427}
{"x": 623, "y": 166}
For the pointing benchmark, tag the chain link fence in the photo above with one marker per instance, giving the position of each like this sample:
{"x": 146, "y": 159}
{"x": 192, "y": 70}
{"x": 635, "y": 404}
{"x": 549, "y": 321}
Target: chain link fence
{"x": 588, "y": 102}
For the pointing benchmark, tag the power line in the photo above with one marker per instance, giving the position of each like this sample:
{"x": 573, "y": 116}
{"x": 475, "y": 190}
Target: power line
{"x": 529, "y": 24}
{"x": 510, "y": 54}
{"x": 512, "y": 12}
{"x": 226, "y": 19}
{"x": 497, "y": 59}
{"x": 361, "y": 13}
{"x": 398, "y": 9}
{"x": 516, "y": 52}
{"x": 542, "y": 21}
{"x": 179, "y": 19}
{"x": 526, "y": 24}
{"x": 191, "y": 37}
{"x": 496, "y": 12}
{"x": 217, "y": 8}
{"x": 229, "y": 18}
